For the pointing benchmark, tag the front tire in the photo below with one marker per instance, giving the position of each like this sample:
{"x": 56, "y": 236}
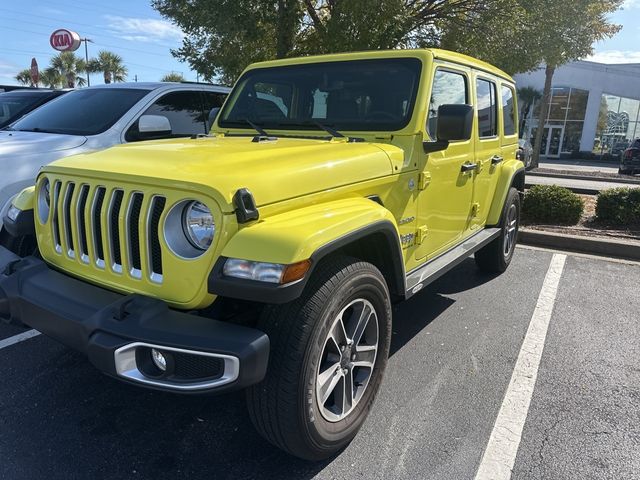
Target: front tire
{"x": 329, "y": 350}
{"x": 496, "y": 256}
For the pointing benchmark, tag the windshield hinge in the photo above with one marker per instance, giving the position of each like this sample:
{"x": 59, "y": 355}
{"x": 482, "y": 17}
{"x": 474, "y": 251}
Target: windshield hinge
{"x": 421, "y": 234}
{"x": 424, "y": 179}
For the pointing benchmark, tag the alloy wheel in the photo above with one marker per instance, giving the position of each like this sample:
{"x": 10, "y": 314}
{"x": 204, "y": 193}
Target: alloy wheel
{"x": 348, "y": 359}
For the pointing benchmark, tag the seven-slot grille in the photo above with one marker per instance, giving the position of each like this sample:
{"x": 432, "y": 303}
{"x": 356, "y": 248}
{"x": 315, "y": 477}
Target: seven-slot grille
{"x": 109, "y": 228}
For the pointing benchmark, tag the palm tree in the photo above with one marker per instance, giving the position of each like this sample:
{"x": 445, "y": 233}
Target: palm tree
{"x": 527, "y": 96}
{"x": 172, "y": 77}
{"x": 24, "y": 77}
{"x": 69, "y": 66}
{"x": 111, "y": 66}
{"x": 52, "y": 78}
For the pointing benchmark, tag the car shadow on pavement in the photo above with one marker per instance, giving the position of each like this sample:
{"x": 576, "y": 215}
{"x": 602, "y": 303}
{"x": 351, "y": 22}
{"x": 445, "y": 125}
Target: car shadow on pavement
{"x": 68, "y": 421}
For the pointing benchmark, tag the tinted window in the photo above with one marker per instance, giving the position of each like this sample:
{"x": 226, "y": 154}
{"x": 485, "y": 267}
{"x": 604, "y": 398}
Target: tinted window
{"x": 508, "y": 111}
{"x": 636, "y": 144}
{"x": 212, "y": 100}
{"x": 184, "y": 111}
{"x": 12, "y": 106}
{"x": 82, "y": 112}
{"x": 487, "y": 108}
{"x": 449, "y": 88}
{"x": 366, "y": 95}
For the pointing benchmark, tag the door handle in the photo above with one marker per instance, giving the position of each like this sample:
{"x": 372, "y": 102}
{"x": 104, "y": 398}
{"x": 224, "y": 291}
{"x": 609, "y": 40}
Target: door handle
{"x": 496, "y": 159}
{"x": 468, "y": 167}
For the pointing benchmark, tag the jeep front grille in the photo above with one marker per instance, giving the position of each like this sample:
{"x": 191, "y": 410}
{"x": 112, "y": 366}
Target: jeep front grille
{"x": 130, "y": 243}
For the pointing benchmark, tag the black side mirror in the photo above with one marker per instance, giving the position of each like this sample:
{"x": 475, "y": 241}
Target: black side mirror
{"x": 455, "y": 123}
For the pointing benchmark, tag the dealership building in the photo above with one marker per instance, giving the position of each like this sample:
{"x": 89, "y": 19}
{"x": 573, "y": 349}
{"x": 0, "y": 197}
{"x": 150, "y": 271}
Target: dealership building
{"x": 594, "y": 107}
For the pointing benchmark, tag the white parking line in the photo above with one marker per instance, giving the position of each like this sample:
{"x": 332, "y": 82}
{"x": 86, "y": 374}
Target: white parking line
{"x": 500, "y": 454}
{"x": 18, "y": 338}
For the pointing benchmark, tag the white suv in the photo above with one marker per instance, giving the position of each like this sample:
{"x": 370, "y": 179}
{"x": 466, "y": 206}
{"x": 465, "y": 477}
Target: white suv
{"x": 98, "y": 117}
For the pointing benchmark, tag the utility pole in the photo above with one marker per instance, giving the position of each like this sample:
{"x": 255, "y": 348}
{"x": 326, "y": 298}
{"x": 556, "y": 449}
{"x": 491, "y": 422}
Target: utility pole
{"x": 135, "y": 78}
{"x": 86, "y": 57}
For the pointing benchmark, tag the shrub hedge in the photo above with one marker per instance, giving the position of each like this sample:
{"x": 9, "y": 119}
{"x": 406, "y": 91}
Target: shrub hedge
{"x": 619, "y": 206}
{"x": 551, "y": 204}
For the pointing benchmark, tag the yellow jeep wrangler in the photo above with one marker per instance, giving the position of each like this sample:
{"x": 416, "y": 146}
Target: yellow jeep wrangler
{"x": 267, "y": 255}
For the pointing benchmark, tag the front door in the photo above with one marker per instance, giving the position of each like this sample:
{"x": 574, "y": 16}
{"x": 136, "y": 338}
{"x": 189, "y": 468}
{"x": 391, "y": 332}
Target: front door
{"x": 551, "y": 145}
{"x": 446, "y": 184}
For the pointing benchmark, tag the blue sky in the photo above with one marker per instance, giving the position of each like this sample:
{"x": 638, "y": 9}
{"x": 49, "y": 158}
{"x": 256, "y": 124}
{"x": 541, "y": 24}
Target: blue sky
{"x": 132, "y": 29}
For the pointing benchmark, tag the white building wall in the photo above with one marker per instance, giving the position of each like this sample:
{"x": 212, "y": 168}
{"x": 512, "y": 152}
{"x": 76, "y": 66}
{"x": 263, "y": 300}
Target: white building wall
{"x": 598, "y": 79}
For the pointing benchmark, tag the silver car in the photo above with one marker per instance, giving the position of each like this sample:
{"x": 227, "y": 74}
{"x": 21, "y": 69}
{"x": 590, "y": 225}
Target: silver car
{"x": 98, "y": 117}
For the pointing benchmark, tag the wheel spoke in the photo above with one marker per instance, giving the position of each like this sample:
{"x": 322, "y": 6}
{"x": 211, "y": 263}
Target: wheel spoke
{"x": 338, "y": 334}
{"x": 326, "y": 387}
{"x": 364, "y": 356}
{"x": 349, "y": 394}
{"x": 363, "y": 321}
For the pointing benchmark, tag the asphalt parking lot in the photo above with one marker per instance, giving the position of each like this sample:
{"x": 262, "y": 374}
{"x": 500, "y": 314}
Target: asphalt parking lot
{"x": 454, "y": 350}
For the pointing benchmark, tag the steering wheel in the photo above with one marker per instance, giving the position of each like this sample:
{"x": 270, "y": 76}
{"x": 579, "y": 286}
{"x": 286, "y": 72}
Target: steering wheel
{"x": 382, "y": 115}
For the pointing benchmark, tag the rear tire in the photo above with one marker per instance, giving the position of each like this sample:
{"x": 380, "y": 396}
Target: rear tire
{"x": 496, "y": 256}
{"x": 314, "y": 398}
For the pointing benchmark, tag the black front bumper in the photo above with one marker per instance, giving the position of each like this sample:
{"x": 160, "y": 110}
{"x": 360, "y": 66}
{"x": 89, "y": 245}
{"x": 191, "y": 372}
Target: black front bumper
{"x": 102, "y": 323}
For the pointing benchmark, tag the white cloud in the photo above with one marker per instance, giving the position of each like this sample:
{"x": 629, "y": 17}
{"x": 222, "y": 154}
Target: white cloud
{"x": 615, "y": 56}
{"x": 143, "y": 29}
{"x": 631, "y": 4}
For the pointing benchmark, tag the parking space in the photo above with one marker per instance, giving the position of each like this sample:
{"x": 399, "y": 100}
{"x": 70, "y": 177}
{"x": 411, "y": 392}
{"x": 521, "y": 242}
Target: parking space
{"x": 453, "y": 353}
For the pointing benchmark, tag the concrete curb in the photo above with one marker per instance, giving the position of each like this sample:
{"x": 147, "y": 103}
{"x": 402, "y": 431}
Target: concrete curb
{"x": 624, "y": 181}
{"x": 626, "y": 249}
{"x": 581, "y": 191}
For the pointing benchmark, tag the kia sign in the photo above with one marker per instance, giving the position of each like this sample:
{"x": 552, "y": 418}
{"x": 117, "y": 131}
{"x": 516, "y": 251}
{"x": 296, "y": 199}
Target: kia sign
{"x": 65, "y": 40}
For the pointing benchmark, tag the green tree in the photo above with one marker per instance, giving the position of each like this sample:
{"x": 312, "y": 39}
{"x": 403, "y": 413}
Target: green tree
{"x": 563, "y": 32}
{"x": 172, "y": 77}
{"x": 110, "y": 65}
{"x": 224, "y": 36}
{"x": 527, "y": 97}
{"x": 52, "y": 78}
{"x": 69, "y": 66}
{"x": 24, "y": 77}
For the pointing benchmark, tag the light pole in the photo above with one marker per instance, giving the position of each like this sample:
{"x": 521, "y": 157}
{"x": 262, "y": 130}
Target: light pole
{"x": 86, "y": 57}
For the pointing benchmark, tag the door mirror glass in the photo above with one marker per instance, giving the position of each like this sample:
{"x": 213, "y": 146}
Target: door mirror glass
{"x": 150, "y": 126}
{"x": 454, "y": 122}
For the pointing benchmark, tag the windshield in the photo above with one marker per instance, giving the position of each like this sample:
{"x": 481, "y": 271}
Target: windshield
{"x": 13, "y": 105}
{"x": 82, "y": 112}
{"x": 352, "y": 95}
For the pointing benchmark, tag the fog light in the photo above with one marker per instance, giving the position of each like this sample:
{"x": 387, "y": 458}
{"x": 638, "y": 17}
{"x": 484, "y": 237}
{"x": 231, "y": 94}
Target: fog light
{"x": 159, "y": 359}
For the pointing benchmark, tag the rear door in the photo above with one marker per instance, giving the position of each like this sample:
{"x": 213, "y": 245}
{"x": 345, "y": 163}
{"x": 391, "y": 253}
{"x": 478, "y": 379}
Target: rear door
{"x": 488, "y": 153}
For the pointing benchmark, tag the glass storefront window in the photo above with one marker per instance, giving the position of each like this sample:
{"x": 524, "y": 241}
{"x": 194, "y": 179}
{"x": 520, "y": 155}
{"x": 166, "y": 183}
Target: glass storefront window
{"x": 617, "y": 124}
{"x": 577, "y": 104}
{"x": 559, "y": 102}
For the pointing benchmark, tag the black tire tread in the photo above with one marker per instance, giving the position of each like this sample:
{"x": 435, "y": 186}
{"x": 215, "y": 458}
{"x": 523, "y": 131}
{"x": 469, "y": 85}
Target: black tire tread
{"x": 289, "y": 327}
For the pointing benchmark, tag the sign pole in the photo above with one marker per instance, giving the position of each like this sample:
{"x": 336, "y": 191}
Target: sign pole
{"x": 86, "y": 57}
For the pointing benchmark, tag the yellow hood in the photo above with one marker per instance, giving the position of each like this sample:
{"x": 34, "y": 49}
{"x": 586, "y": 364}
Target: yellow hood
{"x": 273, "y": 170}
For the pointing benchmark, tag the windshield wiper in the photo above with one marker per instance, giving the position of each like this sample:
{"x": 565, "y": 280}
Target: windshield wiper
{"x": 42, "y": 130}
{"x": 331, "y": 131}
{"x": 314, "y": 123}
{"x": 263, "y": 135}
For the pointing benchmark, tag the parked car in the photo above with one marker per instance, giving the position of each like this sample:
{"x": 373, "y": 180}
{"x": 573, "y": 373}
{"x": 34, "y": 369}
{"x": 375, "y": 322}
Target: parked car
{"x": 630, "y": 159}
{"x": 98, "y": 117}
{"x": 618, "y": 148}
{"x": 525, "y": 152}
{"x": 18, "y": 103}
{"x": 267, "y": 256}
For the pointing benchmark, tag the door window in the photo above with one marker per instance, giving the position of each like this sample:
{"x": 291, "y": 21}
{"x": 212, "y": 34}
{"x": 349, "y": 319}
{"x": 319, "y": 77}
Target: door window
{"x": 487, "y": 108}
{"x": 184, "y": 111}
{"x": 449, "y": 88}
{"x": 508, "y": 111}
{"x": 212, "y": 100}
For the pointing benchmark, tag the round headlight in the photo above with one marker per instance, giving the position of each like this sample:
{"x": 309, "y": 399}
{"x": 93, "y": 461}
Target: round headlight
{"x": 198, "y": 224}
{"x": 44, "y": 200}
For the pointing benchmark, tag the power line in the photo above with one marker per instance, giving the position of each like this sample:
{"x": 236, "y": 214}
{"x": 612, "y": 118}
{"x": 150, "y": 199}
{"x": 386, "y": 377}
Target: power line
{"x": 96, "y": 42}
{"x": 65, "y": 21}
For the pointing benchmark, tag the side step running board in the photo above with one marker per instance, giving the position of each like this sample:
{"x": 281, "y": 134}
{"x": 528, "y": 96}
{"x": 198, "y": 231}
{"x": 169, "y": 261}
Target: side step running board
{"x": 434, "y": 269}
